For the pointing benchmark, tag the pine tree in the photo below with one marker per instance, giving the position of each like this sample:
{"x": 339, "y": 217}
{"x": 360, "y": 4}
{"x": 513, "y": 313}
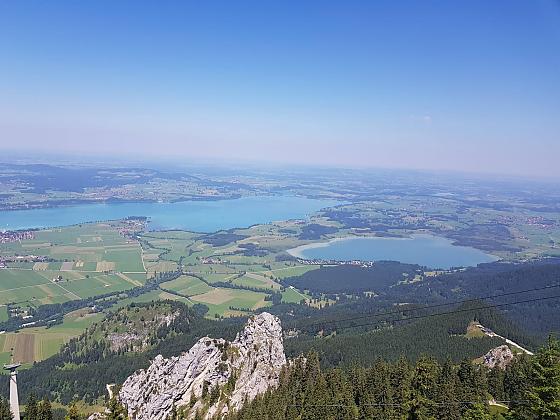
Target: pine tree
{"x": 477, "y": 412}
{"x": 496, "y": 378}
{"x": 401, "y": 382}
{"x": 379, "y": 392}
{"x": 215, "y": 394}
{"x": 517, "y": 383}
{"x": 340, "y": 396}
{"x": 315, "y": 391}
{"x": 31, "y": 409}
{"x": 424, "y": 386}
{"x": 116, "y": 410}
{"x": 447, "y": 393}
{"x": 5, "y": 413}
{"x": 44, "y": 410}
{"x": 73, "y": 413}
{"x": 204, "y": 390}
{"x": 544, "y": 396}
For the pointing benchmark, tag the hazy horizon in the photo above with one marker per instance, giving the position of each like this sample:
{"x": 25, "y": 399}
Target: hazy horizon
{"x": 472, "y": 87}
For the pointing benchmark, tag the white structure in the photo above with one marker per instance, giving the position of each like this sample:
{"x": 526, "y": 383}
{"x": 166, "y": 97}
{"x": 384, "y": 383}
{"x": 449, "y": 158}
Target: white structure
{"x": 14, "y": 400}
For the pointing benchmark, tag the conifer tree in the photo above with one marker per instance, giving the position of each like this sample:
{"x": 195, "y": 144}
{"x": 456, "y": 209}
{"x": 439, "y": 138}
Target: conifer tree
{"x": 5, "y": 413}
{"x": 544, "y": 395}
{"x": 517, "y": 383}
{"x": 401, "y": 381}
{"x": 31, "y": 409}
{"x": 495, "y": 379}
{"x": 73, "y": 413}
{"x": 447, "y": 395}
{"x": 116, "y": 410}
{"x": 477, "y": 412}
{"x": 424, "y": 385}
{"x": 44, "y": 410}
{"x": 340, "y": 396}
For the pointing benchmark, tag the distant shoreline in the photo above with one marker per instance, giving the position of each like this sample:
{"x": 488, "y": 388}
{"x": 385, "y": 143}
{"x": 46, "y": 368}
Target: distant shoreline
{"x": 79, "y": 202}
{"x": 297, "y": 251}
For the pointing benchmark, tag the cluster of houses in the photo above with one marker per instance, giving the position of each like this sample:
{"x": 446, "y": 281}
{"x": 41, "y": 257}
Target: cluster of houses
{"x": 15, "y": 236}
{"x": 541, "y": 222}
{"x": 130, "y": 227}
{"x": 210, "y": 260}
{"x": 359, "y": 263}
{"x": 22, "y": 258}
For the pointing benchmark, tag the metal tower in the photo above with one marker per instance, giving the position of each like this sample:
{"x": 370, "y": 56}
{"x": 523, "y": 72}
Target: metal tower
{"x": 14, "y": 400}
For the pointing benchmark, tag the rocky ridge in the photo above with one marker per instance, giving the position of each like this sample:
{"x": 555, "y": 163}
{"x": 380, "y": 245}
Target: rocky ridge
{"x": 500, "y": 356}
{"x": 138, "y": 338}
{"x": 214, "y": 377}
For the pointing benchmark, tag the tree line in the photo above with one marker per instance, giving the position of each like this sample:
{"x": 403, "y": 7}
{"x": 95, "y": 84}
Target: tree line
{"x": 424, "y": 390}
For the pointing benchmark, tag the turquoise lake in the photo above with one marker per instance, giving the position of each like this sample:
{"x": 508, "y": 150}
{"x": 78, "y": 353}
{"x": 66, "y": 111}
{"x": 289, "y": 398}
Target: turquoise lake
{"x": 197, "y": 216}
{"x": 426, "y": 250}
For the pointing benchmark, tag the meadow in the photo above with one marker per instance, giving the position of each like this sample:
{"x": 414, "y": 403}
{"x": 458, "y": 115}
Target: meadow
{"x": 87, "y": 248}
{"x": 79, "y": 261}
{"x": 93, "y": 259}
{"x": 35, "y": 344}
{"x": 34, "y": 288}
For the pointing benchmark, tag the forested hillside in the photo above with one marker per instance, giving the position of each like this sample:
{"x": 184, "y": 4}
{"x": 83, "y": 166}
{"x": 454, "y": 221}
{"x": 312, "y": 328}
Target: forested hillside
{"x": 351, "y": 279}
{"x": 443, "y": 337}
{"x": 424, "y": 390}
{"x": 83, "y": 367}
{"x": 409, "y": 325}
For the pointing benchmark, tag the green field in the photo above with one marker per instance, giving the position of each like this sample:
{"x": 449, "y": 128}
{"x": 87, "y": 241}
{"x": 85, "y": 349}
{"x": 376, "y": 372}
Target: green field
{"x": 293, "y": 296}
{"x": 187, "y": 286}
{"x": 256, "y": 280}
{"x": 19, "y": 286}
{"x": 219, "y": 301}
{"x": 152, "y": 296}
{"x": 95, "y": 259}
{"x": 97, "y": 285}
{"x": 3, "y": 313}
{"x": 87, "y": 247}
{"x": 38, "y": 288}
{"x": 291, "y": 271}
{"x": 35, "y": 344}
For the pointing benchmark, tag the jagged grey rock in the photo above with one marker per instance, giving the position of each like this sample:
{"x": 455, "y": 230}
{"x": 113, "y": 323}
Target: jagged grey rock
{"x": 241, "y": 369}
{"x": 500, "y": 356}
{"x": 139, "y": 338}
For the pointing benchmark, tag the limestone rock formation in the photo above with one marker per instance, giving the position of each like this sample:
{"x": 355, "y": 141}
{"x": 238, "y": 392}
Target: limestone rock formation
{"x": 500, "y": 356}
{"x": 214, "y": 376}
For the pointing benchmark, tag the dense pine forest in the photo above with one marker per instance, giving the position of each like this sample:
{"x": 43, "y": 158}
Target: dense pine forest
{"x": 424, "y": 390}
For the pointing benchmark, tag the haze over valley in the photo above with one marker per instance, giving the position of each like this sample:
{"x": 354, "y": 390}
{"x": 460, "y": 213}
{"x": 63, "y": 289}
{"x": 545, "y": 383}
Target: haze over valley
{"x": 293, "y": 210}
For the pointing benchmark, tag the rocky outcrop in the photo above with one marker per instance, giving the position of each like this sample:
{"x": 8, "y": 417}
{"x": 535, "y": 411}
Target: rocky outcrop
{"x": 500, "y": 356}
{"x": 213, "y": 377}
{"x": 137, "y": 339}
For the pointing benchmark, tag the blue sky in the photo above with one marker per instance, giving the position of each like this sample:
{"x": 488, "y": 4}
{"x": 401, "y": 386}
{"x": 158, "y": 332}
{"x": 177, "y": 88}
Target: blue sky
{"x": 470, "y": 85}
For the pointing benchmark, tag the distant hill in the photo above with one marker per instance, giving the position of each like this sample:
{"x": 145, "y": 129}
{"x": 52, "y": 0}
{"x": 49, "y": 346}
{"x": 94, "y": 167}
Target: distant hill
{"x": 354, "y": 279}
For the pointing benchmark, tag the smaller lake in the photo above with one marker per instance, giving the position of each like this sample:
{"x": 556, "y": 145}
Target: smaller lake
{"x": 430, "y": 251}
{"x": 196, "y": 216}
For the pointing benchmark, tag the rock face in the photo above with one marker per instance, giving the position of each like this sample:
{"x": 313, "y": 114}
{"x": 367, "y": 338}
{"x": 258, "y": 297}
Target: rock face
{"x": 136, "y": 338}
{"x": 500, "y": 356}
{"x": 214, "y": 376}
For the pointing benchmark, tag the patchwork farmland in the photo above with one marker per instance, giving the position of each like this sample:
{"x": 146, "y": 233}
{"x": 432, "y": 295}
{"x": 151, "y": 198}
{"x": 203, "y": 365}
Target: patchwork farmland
{"x": 75, "y": 262}
{"x": 35, "y": 344}
{"x": 226, "y": 271}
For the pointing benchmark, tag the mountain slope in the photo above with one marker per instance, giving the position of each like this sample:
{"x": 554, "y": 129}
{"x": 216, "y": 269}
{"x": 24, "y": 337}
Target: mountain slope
{"x": 214, "y": 377}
